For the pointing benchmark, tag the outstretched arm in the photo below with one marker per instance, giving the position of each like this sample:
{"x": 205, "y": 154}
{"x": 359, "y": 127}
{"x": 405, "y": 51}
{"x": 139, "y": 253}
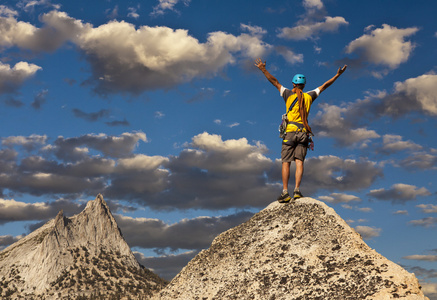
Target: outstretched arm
{"x": 262, "y": 66}
{"x": 331, "y": 81}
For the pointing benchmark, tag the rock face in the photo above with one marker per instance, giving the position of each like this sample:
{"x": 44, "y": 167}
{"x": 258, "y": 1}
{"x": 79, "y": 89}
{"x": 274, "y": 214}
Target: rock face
{"x": 302, "y": 250}
{"x": 85, "y": 255}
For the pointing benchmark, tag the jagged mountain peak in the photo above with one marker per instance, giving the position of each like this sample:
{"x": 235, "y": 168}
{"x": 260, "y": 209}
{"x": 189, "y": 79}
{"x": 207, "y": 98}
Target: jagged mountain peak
{"x": 72, "y": 256}
{"x": 301, "y": 250}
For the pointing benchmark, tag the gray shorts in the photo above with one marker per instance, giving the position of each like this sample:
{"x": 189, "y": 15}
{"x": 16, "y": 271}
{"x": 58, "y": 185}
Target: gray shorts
{"x": 294, "y": 146}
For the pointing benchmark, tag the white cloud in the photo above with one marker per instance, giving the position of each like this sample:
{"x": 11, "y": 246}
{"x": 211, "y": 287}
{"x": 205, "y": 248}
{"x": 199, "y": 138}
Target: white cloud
{"x": 313, "y": 23}
{"x": 340, "y": 198}
{"x": 384, "y": 46}
{"x": 166, "y": 266}
{"x": 141, "y": 162}
{"x": 428, "y": 208}
{"x": 289, "y": 55}
{"x": 114, "y": 146}
{"x": 368, "y": 232}
{"x": 208, "y": 173}
{"x": 157, "y": 57}
{"x": 420, "y": 160}
{"x": 334, "y": 173}
{"x": 330, "y": 122}
{"x": 422, "y": 257}
{"x": 29, "y": 5}
{"x": 124, "y": 58}
{"x": 393, "y": 143}
{"x": 159, "y": 114}
{"x": 253, "y": 30}
{"x": 313, "y": 4}
{"x": 422, "y": 90}
{"x": 196, "y": 233}
{"x": 133, "y": 12}
{"x": 429, "y": 289}
{"x": 12, "y": 78}
{"x": 399, "y": 193}
{"x": 27, "y": 142}
{"x": 11, "y": 210}
{"x": 425, "y": 222}
{"x": 311, "y": 30}
{"x": 234, "y": 125}
{"x": 165, "y": 5}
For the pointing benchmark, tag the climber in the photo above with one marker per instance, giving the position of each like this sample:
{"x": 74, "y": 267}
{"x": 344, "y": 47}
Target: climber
{"x": 298, "y": 132}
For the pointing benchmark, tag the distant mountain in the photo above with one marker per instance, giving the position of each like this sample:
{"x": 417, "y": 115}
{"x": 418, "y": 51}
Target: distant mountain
{"x": 297, "y": 251}
{"x": 82, "y": 257}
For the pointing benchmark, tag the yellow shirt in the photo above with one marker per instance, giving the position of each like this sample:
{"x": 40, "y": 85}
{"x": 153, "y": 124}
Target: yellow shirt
{"x": 293, "y": 115}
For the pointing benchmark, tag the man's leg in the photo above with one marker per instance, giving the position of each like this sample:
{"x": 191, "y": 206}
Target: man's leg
{"x": 285, "y": 175}
{"x": 299, "y": 173}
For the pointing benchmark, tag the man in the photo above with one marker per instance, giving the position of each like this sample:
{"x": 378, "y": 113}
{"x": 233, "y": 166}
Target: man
{"x": 295, "y": 143}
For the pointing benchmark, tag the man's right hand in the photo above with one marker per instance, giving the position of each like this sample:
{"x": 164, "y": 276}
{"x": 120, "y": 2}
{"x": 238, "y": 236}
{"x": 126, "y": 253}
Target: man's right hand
{"x": 260, "y": 64}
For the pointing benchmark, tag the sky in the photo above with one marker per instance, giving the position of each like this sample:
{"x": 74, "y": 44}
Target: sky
{"x": 158, "y": 106}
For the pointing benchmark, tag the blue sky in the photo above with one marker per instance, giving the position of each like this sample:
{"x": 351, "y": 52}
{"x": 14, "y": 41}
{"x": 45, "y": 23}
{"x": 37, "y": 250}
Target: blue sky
{"x": 158, "y": 106}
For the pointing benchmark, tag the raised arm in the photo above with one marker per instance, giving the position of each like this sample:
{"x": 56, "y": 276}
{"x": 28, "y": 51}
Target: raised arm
{"x": 262, "y": 66}
{"x": 331, "y": 81}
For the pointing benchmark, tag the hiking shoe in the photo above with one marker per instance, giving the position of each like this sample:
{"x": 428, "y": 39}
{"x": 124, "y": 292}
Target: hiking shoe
{"x": 297, "y": 195}
{"x": 284, "y": 198}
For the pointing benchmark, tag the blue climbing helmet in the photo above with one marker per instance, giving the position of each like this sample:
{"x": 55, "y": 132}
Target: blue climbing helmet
{"x": 299, "y": 79}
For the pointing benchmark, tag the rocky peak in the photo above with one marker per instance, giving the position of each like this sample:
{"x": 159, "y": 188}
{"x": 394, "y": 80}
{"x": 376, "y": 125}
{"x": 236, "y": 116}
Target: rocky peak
{"x": 72, "y": 257}
{"x": 301, "y": 250}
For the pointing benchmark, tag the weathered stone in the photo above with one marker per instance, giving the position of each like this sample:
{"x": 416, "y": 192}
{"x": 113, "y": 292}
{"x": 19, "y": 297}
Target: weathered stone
{"x": 78, "y": 256}
{"x": 302, "y": 250}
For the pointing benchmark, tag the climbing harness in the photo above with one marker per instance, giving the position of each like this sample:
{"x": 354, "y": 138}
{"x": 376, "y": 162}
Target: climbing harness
{"x": 301, "y": 128}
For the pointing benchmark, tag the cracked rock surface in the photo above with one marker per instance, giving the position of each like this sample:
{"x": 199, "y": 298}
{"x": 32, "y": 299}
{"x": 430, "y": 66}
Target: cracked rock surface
{"x": 75, "y": 258}
{"x": 302, "y": 250}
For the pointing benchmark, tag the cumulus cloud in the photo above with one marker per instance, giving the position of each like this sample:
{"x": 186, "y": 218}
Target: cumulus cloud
{"x": 58, "y": 28}
{"x": 348, "y": 122}
{"x": 12, "y": 78}
{"x": 11, "y": 210}
{"x": 368, "y": 232}
{"x": 339, "y": 198}
{"x": 29, "y": 5}
{"x": 313, "y": 4}
{"x": 313, "y": 23}
{"x": 208, "y": 173}
{"x": 6, "y": 240}
{"x": 196, "y": 233}
{"x": 112, "y": 146}
{"x": 27, "y": 142}
{"x": 330, "y": 122}
{"x": 428, "y": 208}
{"x": 334, "y": 173}
{"x": 311, "y": 30}
{"x": 399, "y": 193}
{"x": 410, "y": 96}
{"x": 166, "y": 266}
{"x": 422, "y": 257}
{"x": 425, "y": 222}
{"x": 289, "y": 55}
{"x": 394, "y": 143}
{"x": 133, "y": 12}
{"x": 420, "y": 161}
{"x": 386, "y": 46}
{"x": 419, "y": 91}
{"x": 158, "y": 57}
{"x": 165, "y": 5}
{"x": 126, "y": 59}
{"x": 429, "y": 288}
